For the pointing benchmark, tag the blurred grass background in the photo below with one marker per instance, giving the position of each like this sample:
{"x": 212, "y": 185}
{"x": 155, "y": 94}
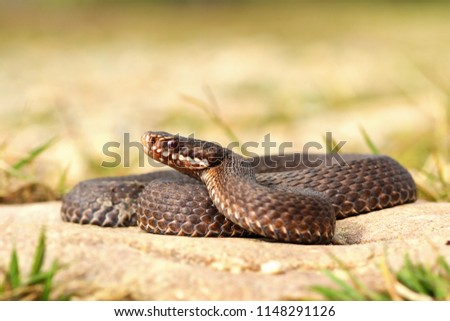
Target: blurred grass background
{"x": 86, "y": 72}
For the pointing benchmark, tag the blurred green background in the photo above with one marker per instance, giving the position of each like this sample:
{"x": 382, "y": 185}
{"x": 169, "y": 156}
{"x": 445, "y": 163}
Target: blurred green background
{"x": 86, "y": 72}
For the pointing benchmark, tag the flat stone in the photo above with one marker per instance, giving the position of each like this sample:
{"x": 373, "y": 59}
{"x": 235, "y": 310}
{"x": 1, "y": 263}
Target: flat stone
{"x": 127, "y": 263}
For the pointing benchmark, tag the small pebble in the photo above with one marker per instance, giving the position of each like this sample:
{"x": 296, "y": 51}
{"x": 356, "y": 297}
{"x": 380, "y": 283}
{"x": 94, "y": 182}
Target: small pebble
{"x": 271, "y": 267}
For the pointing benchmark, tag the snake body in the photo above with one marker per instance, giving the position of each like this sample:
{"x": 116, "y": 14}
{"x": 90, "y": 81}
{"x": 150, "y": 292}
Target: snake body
{"x": 215, "y": 192}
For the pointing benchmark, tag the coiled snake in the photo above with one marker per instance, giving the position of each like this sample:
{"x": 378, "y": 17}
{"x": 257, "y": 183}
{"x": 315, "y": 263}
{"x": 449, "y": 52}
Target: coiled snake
{"x": 293, "y": 198}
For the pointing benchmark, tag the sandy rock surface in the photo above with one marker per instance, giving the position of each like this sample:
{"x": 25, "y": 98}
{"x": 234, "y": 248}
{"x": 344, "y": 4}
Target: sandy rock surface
{"x": 129, "y": 263}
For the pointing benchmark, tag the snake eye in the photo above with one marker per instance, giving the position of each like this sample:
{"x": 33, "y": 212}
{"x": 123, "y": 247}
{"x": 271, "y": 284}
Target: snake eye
{"x": 172, "y": 144}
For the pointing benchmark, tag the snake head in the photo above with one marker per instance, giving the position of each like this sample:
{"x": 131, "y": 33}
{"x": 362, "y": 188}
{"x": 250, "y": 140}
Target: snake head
{"x": 185, "y": 154}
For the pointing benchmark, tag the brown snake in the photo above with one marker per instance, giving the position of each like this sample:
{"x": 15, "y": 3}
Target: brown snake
{"x": 294, "y": 198}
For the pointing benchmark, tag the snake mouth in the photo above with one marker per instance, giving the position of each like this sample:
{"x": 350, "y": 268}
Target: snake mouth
{"x": 178, "y": 152}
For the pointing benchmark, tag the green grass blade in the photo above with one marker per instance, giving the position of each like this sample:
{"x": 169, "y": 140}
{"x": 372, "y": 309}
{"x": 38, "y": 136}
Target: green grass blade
{"x": 440, "y": 288}
{"x": 5, "y": 279}
{"x": 330, "y": 294}
{"x": 437, "y": 279}
{"x": 49, "y": 282}
{"x": 444, "y": 265}
{"x": 32, "y": 155}
{"x": 428, "y": 281}
{"x": 37, "y": 278}
{"x": 379, "y": 296}
{"x": 409, "y": 275}
{"x": 38, "y": 281}
{"x": 347, "y": 290}
{"x": 369, "y": 142}
{"x": 14, "y": 271}
{"x": 38, "y": 255}
{"x": 357, "y": 284}
{"x": 64, "y": 297}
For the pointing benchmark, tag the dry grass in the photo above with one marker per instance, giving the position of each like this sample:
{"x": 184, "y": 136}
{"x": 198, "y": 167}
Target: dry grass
{"x": 293, "y": 71}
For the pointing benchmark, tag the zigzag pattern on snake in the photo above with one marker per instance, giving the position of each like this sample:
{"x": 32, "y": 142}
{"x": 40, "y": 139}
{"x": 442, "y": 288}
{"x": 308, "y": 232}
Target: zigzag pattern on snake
{"x": 216, "y": 192}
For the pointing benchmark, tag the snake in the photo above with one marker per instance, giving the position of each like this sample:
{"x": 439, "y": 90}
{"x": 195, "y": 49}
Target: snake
{"x": 211, "y": 191}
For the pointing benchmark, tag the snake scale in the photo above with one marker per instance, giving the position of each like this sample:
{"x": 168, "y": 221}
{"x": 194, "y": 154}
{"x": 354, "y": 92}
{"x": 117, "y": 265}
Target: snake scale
{"x": 293, "y": 198}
